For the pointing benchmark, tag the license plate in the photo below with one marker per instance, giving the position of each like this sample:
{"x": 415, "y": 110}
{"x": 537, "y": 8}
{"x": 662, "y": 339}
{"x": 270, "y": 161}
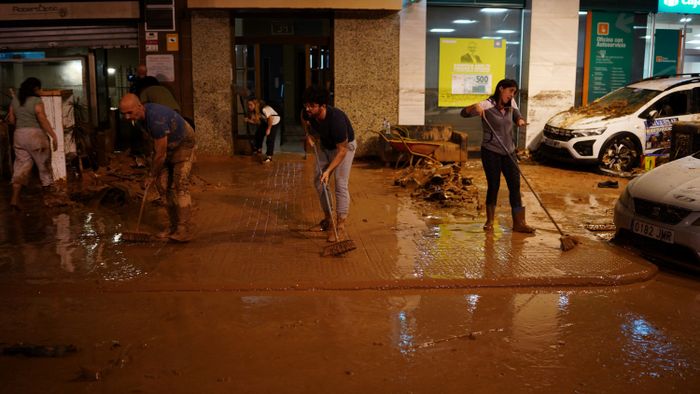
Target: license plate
{"x": 553, "y": 143}
{"x": 652, "y": 231}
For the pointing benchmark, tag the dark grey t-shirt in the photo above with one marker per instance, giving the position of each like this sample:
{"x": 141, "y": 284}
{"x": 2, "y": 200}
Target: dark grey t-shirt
{"x": 502, "y": 123}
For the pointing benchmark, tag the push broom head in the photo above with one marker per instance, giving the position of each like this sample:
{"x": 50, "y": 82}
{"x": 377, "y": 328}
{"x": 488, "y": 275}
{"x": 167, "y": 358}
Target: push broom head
{"x": 137, "y": 236}
{"x": 339, "y": 248}
{"x": 568, "y": 242}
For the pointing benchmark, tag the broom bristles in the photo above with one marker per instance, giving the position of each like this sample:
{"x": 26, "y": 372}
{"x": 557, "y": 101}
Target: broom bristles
{"x": 339, "y": 248}
{"x": 568, "y": 242}
{"x": 134, "y": 236}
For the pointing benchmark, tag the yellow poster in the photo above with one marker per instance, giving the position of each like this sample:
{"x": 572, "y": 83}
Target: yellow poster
{"x": 470, "y": 68}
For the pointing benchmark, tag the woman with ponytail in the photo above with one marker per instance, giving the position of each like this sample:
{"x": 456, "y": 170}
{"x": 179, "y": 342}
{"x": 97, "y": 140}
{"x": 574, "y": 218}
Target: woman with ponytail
{"x": 31, "y": 144}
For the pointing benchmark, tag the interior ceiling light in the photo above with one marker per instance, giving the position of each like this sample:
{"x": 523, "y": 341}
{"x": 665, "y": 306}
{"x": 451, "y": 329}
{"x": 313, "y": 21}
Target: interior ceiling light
{"x": 442, "y": 30}
{"x": 491, "y": 38}
{"x": 692, "y": 42}
{"x": 506, "y": 31}
{"x": 493, "y": 10}
{"x": 464, "y": 21}
{"x": 513, "y": 42}
{"x": 683, "y": 20}
{"x": 583, "y": 12}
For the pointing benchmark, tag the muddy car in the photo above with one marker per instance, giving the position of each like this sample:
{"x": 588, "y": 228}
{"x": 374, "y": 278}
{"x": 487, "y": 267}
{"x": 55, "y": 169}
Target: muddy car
{"x": 616, "y": 130}
{"x": 663, "y": 207}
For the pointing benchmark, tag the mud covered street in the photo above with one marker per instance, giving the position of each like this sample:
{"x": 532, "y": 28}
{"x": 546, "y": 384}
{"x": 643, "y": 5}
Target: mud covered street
{"x": 427, "y": 303}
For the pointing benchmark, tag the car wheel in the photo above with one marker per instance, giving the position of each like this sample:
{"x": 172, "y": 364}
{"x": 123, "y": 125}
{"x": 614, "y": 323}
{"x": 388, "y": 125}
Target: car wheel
{"x": 618, "y": 155}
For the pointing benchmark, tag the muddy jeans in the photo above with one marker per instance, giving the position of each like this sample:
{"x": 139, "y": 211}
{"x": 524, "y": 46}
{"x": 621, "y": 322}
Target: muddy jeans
{"x": 31, "y": 147}
{"x": 494, "y": 164}
{"x": 341, "y": 176}
{"x": 173, "y": 181}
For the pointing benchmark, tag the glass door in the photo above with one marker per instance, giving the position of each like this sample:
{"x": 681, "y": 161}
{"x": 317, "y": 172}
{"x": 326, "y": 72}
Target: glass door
{"x": 275, "y": 60}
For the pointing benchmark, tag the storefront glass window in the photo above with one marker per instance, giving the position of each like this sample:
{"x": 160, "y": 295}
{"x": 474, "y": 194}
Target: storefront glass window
{"x": 493, "y": 25}
{"x": 687, "y": 26}
{"x": 55, "y": 74}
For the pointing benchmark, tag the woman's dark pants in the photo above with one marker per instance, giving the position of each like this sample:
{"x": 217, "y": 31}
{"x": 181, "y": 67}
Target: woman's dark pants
{"x": 260, "y": 136}
{"x": 494, "y": 164}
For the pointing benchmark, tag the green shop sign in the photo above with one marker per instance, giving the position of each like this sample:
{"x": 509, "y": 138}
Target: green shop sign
{"x": 666, "y": 51}
{"x": 609, "y": 53}
{"x": 680, "y": 6}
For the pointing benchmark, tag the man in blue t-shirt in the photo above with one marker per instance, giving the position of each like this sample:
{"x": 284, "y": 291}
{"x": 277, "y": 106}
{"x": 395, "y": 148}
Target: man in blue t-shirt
{"x": 335, "y": 157}
{"x": 173, "y": 145}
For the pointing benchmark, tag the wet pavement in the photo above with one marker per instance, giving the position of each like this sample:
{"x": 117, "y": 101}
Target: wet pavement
{"x": 427, "y": 303}
{"x": 251, "y": 233}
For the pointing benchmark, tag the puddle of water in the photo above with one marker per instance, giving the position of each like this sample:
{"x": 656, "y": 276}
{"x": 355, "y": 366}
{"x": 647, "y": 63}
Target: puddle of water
{"x": 62, "y": 244}
{"x": 648, "y": 351}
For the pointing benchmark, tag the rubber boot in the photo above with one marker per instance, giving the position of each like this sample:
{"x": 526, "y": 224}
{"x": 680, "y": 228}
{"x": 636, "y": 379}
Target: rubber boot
{"x": 519, "y": 225}
{"x": 323, "y": 225}
{"x": 182, "y": 232}
{"x": 490, "y": 215}
{"x": 14, "y": 201}
{"x": 171, "y": 227}
{"x": 340, "y": 228}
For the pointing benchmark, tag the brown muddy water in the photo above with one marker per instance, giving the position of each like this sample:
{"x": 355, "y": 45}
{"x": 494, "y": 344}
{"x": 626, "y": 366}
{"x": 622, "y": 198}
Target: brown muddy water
{"x": 249, "y": 306}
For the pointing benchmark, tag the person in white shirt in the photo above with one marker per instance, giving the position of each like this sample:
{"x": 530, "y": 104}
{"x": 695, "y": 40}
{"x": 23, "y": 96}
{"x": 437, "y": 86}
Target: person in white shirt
{"x": 267, "y": 121}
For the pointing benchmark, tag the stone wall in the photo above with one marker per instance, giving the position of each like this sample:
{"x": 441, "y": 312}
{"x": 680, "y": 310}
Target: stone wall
{"x": 366, "y": 54}
{"x": 211, "y": 81}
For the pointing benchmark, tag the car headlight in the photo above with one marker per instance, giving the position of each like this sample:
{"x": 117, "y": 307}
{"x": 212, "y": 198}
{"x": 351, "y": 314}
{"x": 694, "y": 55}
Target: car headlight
{"x": 588, "y": 132}
{"x": 626, "y": 199}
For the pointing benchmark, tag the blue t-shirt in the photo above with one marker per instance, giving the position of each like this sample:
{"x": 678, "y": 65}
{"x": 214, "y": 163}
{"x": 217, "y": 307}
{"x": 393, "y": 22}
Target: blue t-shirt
{"x": 162, "y": 121}
{"x": 334, "y": 129}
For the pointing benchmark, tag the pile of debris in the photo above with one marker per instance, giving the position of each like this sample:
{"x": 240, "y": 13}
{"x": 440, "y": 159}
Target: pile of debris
{"x": 440, "y": 183}
{"x": 116, "y": 184}
{"x": 119, "y": 183}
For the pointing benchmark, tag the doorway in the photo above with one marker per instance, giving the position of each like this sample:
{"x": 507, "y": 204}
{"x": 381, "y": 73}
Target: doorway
{"x": 275, "y": 60}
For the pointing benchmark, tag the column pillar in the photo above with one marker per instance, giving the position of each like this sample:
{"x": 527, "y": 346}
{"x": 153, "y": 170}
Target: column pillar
{"x": 412, "y": 64}
{"x": 549, "y": 70}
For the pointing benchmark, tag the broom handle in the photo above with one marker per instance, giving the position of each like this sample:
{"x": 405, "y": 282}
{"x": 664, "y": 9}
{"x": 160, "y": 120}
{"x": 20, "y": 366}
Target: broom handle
{"x": 325, "y": 191}
{"x": 143, "y": 202}
{"x": 517, "y": 167}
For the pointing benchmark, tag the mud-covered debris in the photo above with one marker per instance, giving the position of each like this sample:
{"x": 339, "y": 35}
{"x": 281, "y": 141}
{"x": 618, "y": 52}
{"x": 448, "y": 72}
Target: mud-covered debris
{"x": 600, "y": 227}
{"x": 119, "y": 183}
{"x": 439, "y": 183}
{"x": 438, "y": 195}
{"x": 28, "y": 350}
{"x": 90, "y": 373}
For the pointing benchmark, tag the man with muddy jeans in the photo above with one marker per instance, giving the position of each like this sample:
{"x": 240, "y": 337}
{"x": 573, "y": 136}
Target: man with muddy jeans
{"x": 337, "y": 150}
{"x": 174, "y": 144}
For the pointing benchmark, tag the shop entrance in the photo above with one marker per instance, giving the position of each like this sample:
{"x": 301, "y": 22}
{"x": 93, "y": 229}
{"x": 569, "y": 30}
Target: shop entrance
{"x": 678, "y": 32}
{"x": 275, "y": 60}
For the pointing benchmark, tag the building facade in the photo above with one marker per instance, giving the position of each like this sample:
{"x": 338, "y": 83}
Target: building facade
{"x": 383, "y": 60}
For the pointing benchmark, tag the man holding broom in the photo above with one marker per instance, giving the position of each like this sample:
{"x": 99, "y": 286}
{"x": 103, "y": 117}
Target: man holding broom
{"x": 173, "y": 143}
{"x": 337, "y": 150}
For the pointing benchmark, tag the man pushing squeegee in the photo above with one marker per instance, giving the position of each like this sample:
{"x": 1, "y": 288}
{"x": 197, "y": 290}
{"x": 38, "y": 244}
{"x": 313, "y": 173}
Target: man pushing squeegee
{"x": 333, "y": 157}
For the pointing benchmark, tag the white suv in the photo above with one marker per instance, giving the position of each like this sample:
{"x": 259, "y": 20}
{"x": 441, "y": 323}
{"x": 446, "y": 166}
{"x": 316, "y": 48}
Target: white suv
{"x": 616, "y": 129}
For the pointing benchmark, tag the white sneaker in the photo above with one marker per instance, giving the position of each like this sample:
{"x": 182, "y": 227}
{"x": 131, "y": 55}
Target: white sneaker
{"x": 267, "y": 159}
